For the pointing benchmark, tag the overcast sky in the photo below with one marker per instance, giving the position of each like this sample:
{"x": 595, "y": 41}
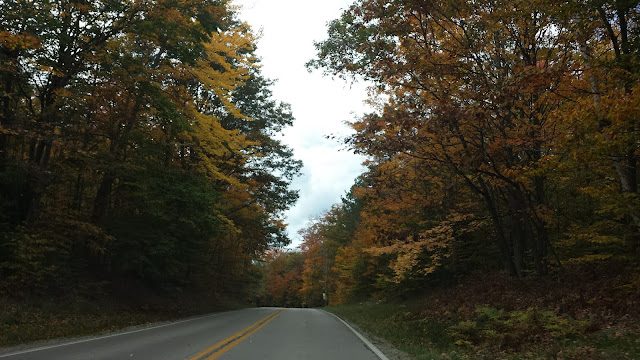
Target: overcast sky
{"x": 320, "y": 104}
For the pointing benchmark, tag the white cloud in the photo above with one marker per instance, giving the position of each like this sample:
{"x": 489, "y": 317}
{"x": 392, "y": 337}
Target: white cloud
{"x": 320, "y": 104}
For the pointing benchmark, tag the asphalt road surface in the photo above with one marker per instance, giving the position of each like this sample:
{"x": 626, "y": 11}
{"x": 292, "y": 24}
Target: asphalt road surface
{"x": 259, "y": 333}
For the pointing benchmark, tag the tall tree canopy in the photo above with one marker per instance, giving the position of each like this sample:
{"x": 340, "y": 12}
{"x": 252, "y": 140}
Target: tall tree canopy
{"x": 506, "y": 129}
{"x": 137, "y": 140}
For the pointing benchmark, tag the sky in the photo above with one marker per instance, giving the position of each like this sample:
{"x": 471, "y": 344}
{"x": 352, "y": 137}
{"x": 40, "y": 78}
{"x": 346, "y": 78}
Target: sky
{"x": 320, "y": 104}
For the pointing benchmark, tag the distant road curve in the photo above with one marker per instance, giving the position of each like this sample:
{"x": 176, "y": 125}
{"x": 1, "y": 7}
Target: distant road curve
{"x": 257, "y": 333}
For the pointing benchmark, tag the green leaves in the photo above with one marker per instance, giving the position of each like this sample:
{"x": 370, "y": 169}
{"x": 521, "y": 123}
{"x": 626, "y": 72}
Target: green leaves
{"x": 129, "y": 125}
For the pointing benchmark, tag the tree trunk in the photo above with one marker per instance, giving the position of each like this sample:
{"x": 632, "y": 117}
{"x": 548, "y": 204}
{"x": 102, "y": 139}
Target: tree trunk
{"x": 541, "y": 240}
{"x": 503, "y": 243}
{"x": 517, "y": 233}
{"x": 78, "y": 193}
{"x": 103, "y": 197}
{"x": 4, "y": 140}
{"x": 626, "y": 167}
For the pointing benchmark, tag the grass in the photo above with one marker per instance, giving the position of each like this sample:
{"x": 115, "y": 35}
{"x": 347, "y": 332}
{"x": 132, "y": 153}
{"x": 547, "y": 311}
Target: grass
{"x": 569, "y": 316}
{"x": 385, "y": 321}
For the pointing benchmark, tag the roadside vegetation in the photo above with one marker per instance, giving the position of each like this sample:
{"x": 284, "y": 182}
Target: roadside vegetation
{"x": 31, "y": 320}
{"x": 498, "y": 317}
{"x": 25, "y": 322}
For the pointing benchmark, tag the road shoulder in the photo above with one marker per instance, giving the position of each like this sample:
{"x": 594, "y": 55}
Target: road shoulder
{"x": 388, "y": 350}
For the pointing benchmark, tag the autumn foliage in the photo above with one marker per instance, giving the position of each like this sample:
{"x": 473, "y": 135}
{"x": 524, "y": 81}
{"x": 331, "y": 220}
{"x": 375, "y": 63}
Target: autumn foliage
{"x": 504, "y": 138}
{"x": 498, "y": 216}
{"x": 137, "y": 146}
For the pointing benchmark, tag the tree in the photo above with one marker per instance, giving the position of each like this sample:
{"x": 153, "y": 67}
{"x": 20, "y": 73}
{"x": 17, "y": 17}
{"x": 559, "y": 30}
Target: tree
{"x": 283, "y": 276}
{"x": 137, "y": 140}
{"x": 599, "y": 129}
{"x": 463, "y": 97}
{"x": 493, "y": 113}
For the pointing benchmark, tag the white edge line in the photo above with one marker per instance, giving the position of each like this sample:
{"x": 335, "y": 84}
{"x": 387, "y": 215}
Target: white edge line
{"x": 104, "y": 336}
{"x": 368, "y": 343}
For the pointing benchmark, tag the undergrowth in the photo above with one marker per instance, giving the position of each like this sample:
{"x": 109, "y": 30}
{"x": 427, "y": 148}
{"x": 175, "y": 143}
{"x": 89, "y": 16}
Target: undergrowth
{"x": 587, "y": 312}
{"x": 24, "y": 321}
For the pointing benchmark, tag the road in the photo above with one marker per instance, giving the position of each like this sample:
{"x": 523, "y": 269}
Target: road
{"x": 258, "y": 333}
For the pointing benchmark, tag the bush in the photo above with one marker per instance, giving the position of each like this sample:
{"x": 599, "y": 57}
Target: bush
{"x": 501, "y": 329}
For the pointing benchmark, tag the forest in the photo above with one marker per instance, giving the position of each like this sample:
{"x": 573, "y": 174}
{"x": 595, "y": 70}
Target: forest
{"x": 140, "y": 159}
{"x": 505, "y": 138}
{"x": 502, "y": 172}
{"x": 138, "y": 151}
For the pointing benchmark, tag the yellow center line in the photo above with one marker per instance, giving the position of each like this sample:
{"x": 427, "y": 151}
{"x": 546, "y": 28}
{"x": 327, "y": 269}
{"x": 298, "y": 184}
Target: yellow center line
{"x": 223, "y": 350}
{"x": 221, "y": 347}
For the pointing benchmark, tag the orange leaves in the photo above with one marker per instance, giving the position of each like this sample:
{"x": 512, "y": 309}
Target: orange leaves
{"x": 522, "y": 113}
{"x": 283, "y": 276}
{"x": 470, "y": 88}
{"x": 424, "y": 253}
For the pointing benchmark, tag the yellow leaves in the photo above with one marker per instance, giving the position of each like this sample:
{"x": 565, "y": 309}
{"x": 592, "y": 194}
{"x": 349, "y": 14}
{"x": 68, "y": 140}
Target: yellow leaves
{"x": 4, "y": 131}
{"x": 226, "y": 64}
{"x": 18, "y": 42}
{"x": 222, "y": 69}
{"x": 425, "y": 253}
{"x": 50, "y": 70}
{"x": 414, "y": 257}
{"x": 590, "y": 258}
{"x": 217, "y": 147}
{"x": 604, "y": 239}
{"x": 173, "y": 15}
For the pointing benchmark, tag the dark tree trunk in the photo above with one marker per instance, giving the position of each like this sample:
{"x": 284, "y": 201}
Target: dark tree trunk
{"x": 78, "y": 193}
{"x": 517, "y": 232}
{"x": 503, "y": 243}
{"x": 4, "y": 140}
{"x": 541, "y": 240}
{"x": 103, "y": 197}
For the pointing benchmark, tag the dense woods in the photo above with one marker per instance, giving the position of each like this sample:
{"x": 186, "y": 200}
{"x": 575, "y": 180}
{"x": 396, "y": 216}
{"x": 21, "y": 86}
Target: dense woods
{"x": 498, "y": 216}
{"x": 139, "y": 155}
{"x": 505, "y": 138}
{"x": 137, "y": 149}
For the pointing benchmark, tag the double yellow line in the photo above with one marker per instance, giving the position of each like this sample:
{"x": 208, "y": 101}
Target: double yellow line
{"x": 219, "y": 348}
